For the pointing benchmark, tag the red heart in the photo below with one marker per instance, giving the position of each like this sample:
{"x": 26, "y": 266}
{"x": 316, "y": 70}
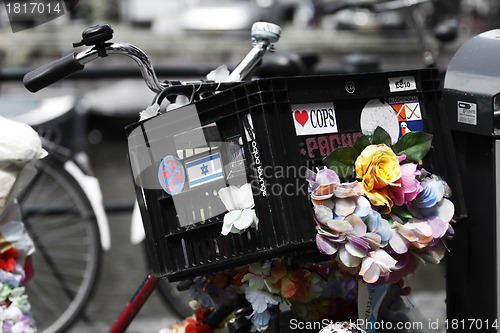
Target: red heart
{"x": 301, "y": 117}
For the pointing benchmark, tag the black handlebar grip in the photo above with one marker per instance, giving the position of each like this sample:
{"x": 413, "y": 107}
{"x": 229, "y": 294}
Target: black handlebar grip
{"x": 52, "y": 72}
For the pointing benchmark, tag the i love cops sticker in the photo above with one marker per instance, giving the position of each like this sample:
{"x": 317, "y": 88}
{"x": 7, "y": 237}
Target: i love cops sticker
{"x": 314, "y": 118}
{"x": 171, "y": 175}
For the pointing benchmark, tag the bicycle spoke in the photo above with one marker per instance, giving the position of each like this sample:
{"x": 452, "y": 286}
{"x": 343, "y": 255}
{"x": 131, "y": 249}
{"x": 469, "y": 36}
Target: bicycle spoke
{"x": 62, "y": 225}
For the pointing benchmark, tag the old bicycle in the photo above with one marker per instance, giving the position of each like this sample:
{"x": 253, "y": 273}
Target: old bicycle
{"x": 98, "y": 35}
{"x": 190, "y": 255}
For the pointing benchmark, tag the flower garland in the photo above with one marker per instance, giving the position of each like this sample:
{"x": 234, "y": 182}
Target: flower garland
{"x": 21, "y": 147}
{"x": 310, "y": 292}
{"x": 15, "y": 247}
{"x": 194, "y": 324}
{"x": 389, "y": 214}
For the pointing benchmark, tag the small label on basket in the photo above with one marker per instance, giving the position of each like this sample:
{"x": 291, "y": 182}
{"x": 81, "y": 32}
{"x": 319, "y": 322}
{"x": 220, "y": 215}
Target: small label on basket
{"x": 467, "y": 113}
{"x": 314, "y": 118}
{"x": 171, "y": 175}
{"x": 409, "y": 114}
{"x": 405, "y": 83}
{"x": 257, "y": 165}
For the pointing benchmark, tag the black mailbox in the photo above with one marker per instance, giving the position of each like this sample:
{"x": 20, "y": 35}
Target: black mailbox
{"x": 471, "y": 94}
{"x": 472, "y": 85}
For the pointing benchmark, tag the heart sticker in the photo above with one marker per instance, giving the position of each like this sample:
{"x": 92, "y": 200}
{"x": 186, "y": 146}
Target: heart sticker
{"x": 301, "y": 117}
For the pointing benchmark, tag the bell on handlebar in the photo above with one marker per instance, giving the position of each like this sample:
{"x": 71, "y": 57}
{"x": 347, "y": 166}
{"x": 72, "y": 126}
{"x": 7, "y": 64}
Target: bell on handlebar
{"x": 96, "y": 36}
{"x": 266, "y": 32}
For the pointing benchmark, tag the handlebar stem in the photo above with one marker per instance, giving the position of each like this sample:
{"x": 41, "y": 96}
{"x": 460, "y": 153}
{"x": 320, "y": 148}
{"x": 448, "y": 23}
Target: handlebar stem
{"x": 264, "y": 34}
{"x": 244, "y": 69}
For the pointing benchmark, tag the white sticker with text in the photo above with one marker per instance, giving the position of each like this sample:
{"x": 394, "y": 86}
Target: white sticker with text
{"x": 404, "y": 83}
{"x": 314, "y": 118}
{"x": 467, "y": 113}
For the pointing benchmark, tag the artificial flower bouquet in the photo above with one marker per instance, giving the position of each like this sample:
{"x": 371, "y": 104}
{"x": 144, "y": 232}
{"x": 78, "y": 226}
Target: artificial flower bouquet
{"x": 388, "y": 213}
{"x": 377, "y": 214}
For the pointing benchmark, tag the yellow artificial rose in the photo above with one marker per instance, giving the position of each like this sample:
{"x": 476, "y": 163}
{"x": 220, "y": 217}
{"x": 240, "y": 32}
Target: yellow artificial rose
{"x": 381, "y": 199}
{"x": 378, "y": 167}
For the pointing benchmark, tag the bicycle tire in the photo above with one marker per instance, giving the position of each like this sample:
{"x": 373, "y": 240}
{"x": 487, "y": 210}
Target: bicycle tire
{"x": 68, "y": 254}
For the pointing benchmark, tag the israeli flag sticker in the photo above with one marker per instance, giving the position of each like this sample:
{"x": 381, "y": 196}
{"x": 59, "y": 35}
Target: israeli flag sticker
{"x": 204, "y": 170}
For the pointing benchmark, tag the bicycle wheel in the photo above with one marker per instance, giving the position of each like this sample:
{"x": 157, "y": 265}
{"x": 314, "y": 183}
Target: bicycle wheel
{"x": 59, "y": 218}
{"x": 175, "y": 300}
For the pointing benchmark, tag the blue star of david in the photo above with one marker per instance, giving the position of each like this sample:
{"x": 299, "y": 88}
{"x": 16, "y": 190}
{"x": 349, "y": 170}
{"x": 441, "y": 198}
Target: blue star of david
{"x": 204, "y": 169}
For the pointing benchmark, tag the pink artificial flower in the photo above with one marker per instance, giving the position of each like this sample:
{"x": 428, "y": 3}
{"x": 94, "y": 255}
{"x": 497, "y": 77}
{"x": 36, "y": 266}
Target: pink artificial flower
{"x": 416, "y": 234}
{"x": 410, "y": 186}
{"x": 325, "y": 177}
{"x": 438, "y": 226}
{"x": 349, "y": 237}
{"x": 378, "y": 263}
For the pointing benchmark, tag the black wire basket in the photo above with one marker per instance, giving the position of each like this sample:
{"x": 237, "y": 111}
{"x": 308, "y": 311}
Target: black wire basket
{"x": 264, "y": 133}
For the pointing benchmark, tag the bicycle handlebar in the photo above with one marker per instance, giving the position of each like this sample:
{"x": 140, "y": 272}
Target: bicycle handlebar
{"x": 263, "y": 36}
{"x": 59, "y": 69}
{"x": 130, "y": 51}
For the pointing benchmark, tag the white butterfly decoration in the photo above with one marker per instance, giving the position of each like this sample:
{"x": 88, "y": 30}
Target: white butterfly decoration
{"x": 239, "y": 203}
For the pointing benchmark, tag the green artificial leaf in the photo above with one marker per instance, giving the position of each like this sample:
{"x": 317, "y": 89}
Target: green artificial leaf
{"x": 270, "y": 287}
{"x": 255, "y": 282}
{"x": 266, "y": 268}
{"x": 361, "y": 143}
{"x": 389, "y": 219}
{"x": 401, "y": 212}
{"x": 255, "y": 268}
{"x": 341, "y": 160}
{"x": 380, "y": 136}
{"x": 415, "y": 145}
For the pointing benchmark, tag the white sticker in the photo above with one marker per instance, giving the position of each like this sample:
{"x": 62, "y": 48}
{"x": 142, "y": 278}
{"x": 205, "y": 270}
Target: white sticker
{"x": 379, "y": 114}
{"x": 404, "y": 83}
{"x": 314, "y": 118}
{"x": 467, "y": 113}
